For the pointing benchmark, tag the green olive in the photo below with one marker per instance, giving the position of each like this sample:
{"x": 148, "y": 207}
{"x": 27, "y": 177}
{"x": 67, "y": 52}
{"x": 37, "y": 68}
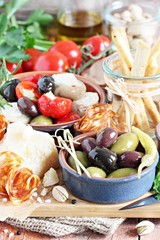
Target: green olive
{"x": 125, "y": 142}
{"x": 122, "y": 172}
{"x": 41, "y": 120}
{"x": 82, "y": 157}
{"x": 96, "y": 172}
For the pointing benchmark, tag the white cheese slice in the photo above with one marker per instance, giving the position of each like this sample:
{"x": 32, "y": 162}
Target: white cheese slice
{"x": 37, "y": 149}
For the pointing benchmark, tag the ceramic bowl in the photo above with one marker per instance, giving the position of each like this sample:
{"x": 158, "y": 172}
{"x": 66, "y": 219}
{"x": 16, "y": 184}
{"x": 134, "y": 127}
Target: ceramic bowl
{"x": 91, "y": 86}
{"x": 106, "y": 190}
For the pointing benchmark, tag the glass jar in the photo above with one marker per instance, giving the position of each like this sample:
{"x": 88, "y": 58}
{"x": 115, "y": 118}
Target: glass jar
{"x": 141, "y": 19}
{"x": 135, "y": 100}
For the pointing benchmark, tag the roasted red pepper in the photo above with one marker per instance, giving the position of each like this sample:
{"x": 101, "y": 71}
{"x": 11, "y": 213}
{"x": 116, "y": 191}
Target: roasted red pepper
{"x": 72, "y": 116}
{"x": 52, "y": 106}
{"x": 27, "y": 89}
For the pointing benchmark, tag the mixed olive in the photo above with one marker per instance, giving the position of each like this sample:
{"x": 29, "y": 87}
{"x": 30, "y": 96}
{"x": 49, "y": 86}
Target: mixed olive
{"x": 110, "y": 155}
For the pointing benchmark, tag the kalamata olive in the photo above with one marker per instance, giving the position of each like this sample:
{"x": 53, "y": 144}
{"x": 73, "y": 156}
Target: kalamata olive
{"x": 129, "y": 159}
{"x": 82, "y": 157}
{"x": 88, "y": 144}
{"x": 125, "y": 142}
{"x": 27, "y": 106}
{"x": 103, "y": 158}
{"x": 46, "y": 84}
{"x": 8, "y": 90}
{"x": 106, "y": 137}
{"x": 42, "y": 120}
{"x": 96, "y": 172}
{"x": 122, "y": 172}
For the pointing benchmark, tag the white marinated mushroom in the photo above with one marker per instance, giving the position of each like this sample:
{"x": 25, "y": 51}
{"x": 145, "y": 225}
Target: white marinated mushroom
{"x": 89, "y": 99}
{"x": 67, "y": 85}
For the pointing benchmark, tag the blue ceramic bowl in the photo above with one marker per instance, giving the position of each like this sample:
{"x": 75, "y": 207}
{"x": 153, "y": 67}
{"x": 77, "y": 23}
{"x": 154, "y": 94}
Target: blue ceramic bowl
{"x": 106, "y": 190}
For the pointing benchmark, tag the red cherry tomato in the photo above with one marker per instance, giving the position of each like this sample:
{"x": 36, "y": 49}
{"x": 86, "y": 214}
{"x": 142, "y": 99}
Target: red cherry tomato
{"x": 51, "y": 61}
{"x": 28, "y": 64}
{"x": 27, "y": 89}
{"x": 12, "y": 66}
{"x": 68, "y": 118}
{"x": 70, "y": 50}
{"x": 97, "y": 44}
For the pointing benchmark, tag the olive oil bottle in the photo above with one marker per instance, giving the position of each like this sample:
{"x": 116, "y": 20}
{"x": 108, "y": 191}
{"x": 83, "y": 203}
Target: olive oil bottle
{"x": 79, "y": 25}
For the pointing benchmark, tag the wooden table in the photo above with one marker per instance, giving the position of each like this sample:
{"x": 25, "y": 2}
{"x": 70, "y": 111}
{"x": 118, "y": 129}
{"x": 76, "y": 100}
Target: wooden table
{"x": 126, "y": 231}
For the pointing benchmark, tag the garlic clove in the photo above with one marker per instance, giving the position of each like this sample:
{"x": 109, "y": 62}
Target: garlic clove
{"x": 60, "y": 193}
{"x": 50, "y": 178}
{"x": 145, "y": 227}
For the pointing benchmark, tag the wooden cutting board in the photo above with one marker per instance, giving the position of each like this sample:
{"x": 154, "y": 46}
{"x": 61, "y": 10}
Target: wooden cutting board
{"x": 88, "y": 209}
{"x": 81, "y": 208}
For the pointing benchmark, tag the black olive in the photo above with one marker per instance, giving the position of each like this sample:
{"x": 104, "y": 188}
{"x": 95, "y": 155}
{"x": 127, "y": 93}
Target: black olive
{"x": 8, "y": 90}
{"x": 27, "y": 107}
{"x": 46, "y": 84}
{"x": 103, "y": 158}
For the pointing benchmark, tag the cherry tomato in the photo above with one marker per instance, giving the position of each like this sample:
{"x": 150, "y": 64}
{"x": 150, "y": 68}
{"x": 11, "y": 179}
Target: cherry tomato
{"x": 70, "y": 50}
{"x": 28, "y": 89}
{"x": 51, "y": 61}
{"x": 97, "y": 44}
{"x": 28, "y": 64}
{"x": 68, "y": 118}
{"x": 12, "y": 66}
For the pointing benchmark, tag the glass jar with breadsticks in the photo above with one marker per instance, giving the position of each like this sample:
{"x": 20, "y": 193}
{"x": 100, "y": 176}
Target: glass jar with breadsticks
{"x": 133, "y": 79}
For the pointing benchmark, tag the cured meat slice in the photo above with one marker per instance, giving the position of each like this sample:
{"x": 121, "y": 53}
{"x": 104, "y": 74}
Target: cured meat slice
{"x": 16, "y": 182}
{"x": 8, "y": 161}
{"x": 3, "y": 125}
{"x": 21, "y": 184}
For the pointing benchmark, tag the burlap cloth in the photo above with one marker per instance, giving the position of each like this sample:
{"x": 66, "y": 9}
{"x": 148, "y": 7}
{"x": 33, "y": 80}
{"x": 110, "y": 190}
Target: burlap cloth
{"x": 60, "y": 226}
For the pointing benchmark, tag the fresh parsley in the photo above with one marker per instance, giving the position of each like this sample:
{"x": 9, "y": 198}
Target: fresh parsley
{"x": 156, "y": 183}
{"x": 16, "y": 35}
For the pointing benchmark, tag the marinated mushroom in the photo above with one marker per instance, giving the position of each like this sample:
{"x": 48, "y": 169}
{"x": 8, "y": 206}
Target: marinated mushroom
{"x": 67, "y": 85}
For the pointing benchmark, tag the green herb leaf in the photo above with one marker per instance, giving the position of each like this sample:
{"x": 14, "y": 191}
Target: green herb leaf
{"x": 15, "y": 37}
{"x": 39, "y": 16}
{"x": 13, "y": 6}
{"x": 156, "y": 185}
{"x": 17, "y": 55}
{"x": 3, "y": 23}
{"x": 35, "y": 31}
{"x": 12, "y": 54}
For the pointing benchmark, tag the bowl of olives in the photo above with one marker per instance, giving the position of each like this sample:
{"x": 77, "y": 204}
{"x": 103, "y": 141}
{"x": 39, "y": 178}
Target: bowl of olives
{"x": 116, "y": 167}
{"x": 48, "y": 100}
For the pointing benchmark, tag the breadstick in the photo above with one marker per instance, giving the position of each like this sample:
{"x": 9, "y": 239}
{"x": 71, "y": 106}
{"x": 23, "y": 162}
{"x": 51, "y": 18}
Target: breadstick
{"x": 152, "y": 109}
{"x": 140, "y": 59}
{"x": 122, "y": 49}
{"x": 141, "y": 119}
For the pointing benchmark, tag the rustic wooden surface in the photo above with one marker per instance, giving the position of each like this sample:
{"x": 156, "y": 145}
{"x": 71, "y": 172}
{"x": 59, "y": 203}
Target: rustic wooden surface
{"x": 126, "y": 231}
